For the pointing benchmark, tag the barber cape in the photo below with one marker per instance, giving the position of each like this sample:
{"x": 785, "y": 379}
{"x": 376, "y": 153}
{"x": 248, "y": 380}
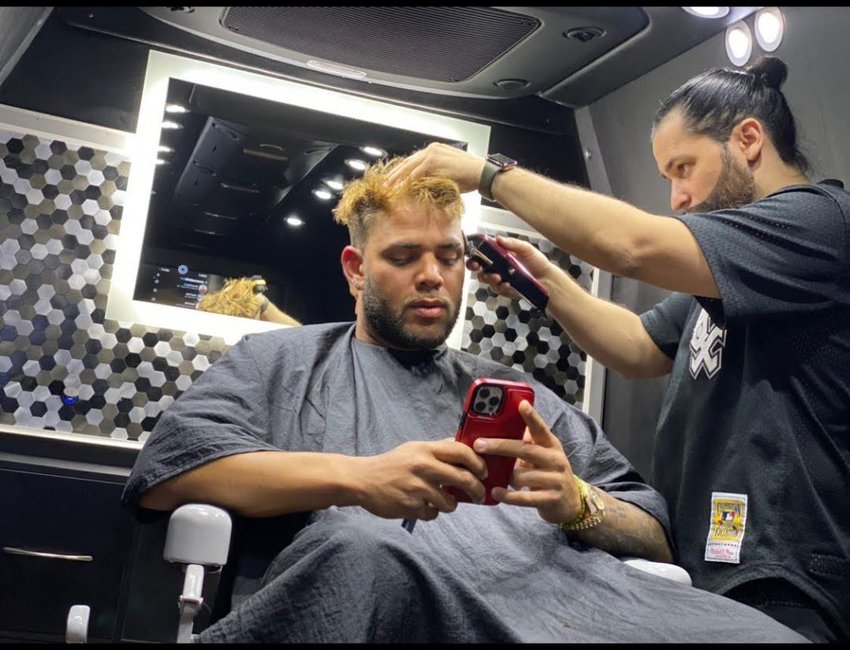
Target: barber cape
{"x": 479, "y": 574}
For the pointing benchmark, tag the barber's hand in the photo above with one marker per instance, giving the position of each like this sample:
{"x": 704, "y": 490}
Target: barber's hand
{"x": 438, "y": 159}
{"x": 543, "y": 468}
{"x": 405, "y": 482}
{"x": 529, "y": 256}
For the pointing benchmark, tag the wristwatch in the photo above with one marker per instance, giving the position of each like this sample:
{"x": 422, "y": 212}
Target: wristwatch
{"x": 592, "y": 508}
{"x": 496, "y": 163}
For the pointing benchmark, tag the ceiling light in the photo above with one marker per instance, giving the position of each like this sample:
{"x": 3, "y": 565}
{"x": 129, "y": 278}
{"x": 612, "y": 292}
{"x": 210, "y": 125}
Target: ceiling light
{"x": 160, "y": 161}
{"x": 176, "y": 108}
{"x": 169, "y": 124}
{"x": 294, "y": 221}
{"x": 770, "y": 26}
{"x": 334, "y": 185}
{"x": 323, "y": 194}
{"x": 373, "y": 151}
{"x": 739, "y": 42}
{"x": 354, "y": 163}
{"x": 708, "y": 12}
{"x": 163, "y": 149}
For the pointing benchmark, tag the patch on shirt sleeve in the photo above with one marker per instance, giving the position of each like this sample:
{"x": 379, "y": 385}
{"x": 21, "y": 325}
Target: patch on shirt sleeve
{"x": 728, "y": 521}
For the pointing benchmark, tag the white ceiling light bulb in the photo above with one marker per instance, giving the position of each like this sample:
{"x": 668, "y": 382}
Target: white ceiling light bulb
{"x": 739, "y": 43}
{"x": 770, "y": 27}
{"x": 357, "y": 164}
{"x": 294, "y": 221}
{"x": 707, "y": 12}
{"x": 323, "y": 194}
{"x": 373, "y": 151}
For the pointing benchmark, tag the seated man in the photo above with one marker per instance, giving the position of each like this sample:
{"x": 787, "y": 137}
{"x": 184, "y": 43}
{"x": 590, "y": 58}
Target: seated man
{"x": 337, "y": 432}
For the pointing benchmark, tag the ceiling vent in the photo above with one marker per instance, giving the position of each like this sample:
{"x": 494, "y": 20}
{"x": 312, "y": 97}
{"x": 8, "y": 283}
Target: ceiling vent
{"x": 448, "y": 44}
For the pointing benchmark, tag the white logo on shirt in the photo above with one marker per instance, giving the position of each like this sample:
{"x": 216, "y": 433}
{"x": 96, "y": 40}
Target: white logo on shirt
{"x": 707, "y": 343}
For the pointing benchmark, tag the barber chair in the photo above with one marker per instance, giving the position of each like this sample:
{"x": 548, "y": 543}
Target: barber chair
{"x": 198, "y": 538}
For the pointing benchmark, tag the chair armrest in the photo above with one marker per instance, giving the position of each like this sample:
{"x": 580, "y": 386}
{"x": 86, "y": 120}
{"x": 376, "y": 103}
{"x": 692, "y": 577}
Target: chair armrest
{"x": 198, "y": 534}
{"x": 663, "y": 569}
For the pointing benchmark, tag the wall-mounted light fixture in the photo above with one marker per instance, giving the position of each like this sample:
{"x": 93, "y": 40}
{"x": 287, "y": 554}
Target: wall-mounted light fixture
{"x": 769, "y": 28}
{"x": 739, "y": 42}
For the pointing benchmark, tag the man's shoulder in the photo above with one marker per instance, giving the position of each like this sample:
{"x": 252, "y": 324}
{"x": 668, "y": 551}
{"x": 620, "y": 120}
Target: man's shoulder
{"x": 830, "y": 190}
{"x": 298, "y": 338}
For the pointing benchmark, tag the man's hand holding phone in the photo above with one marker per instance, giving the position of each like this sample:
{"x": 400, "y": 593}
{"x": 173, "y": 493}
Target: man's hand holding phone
{"x": 543, "y": 477}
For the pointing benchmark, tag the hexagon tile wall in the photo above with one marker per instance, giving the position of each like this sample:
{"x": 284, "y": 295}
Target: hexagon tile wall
{"x": 518, "y": 335}
{"x": 60, "y": 211}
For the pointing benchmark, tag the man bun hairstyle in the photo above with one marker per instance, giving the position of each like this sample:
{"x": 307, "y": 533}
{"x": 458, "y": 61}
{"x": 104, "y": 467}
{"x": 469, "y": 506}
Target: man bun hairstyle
{"x": 772, "y": 72}
{"x": 713, "y": 102}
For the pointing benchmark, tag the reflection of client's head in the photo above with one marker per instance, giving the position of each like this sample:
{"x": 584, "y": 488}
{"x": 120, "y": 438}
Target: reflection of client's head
{"x": 238, "y": 297}
{"x": 405, "y": 262}
{"x": 244, "y": 297}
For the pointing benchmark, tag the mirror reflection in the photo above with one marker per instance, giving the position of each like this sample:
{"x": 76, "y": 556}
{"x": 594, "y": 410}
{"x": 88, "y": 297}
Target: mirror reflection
{"x": 243, "y": 189}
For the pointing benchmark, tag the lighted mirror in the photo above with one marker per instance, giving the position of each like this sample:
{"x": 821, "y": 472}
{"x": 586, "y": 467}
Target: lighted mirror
{"x": 234, "y": 174}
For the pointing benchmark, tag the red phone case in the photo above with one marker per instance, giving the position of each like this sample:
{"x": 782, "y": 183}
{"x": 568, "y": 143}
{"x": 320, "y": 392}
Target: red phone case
{"x": 479, "y": 420}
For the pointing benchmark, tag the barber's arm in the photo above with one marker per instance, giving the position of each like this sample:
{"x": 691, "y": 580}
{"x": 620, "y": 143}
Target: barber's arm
{"x": 603, "y": 231}
{"x": 543, "y": 479}
{"x": 271, "y": 313}
{"x": 609, "y": 333}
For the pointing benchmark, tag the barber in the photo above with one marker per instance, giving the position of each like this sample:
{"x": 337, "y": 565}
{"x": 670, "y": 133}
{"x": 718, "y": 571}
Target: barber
{"x": 752, "y": 449}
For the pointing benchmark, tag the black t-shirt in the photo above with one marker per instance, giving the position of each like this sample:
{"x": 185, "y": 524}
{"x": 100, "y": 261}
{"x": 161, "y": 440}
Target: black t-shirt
{"x": 753, "y": 441}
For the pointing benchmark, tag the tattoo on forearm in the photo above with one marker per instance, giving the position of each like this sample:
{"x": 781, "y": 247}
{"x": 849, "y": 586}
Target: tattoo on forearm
{"x": 628, "y": 530}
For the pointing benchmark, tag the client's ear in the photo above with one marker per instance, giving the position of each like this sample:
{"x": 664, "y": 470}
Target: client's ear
{"x": 352, "y": 266}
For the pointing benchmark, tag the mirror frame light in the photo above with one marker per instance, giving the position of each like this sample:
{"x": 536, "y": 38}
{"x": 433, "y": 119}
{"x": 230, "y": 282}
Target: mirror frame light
{"x": 160, "y": 69}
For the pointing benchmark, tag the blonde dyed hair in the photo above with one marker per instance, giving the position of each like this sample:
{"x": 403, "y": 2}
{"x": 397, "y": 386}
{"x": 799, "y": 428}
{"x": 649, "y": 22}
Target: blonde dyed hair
{"x": 364, "y": 198}
{"x": 235, "y": 298}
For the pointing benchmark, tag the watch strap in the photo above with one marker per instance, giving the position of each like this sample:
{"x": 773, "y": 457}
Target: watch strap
{"x": 494, "y": 164}
{"x": 485, "y": 183}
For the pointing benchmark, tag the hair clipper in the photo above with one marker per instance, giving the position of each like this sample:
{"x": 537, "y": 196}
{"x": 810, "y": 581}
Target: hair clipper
{"x": 495, "y": 258}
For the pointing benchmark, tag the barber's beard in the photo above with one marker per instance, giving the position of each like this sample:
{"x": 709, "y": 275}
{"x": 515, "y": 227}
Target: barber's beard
{"x": 735, "y": 187}
{"x": 387, "y": 324}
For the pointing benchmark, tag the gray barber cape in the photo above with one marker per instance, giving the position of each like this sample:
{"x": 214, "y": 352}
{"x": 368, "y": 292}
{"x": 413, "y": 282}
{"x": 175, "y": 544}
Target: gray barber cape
{"x": 479, "y": 574}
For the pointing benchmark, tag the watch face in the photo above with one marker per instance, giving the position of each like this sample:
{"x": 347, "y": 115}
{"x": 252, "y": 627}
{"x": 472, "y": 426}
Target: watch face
{"x": 501, "y": 160}
{"x": 594, "y": 501}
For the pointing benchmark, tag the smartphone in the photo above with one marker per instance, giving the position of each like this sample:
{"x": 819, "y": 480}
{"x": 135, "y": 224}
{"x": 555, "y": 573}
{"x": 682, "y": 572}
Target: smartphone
{"x": 495, "y": 258}
{"x": 491, "y": 411}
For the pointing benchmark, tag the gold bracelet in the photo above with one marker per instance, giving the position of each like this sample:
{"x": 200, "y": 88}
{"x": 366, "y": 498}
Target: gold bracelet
{"x": 593, "y": 508}
{"x": 582, "y": 495}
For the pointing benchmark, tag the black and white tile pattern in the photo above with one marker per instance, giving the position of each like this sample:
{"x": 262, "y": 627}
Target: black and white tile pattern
{"x": 60, "y": 212}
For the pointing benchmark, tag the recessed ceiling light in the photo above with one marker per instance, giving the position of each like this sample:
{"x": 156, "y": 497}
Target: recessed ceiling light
{"x": 373, "y": 151}
{"x": 294, "y": 221}
{"x": 708, "y": 12}
{"x": 770, "y": 27}
{"x": 163, "y": 149}
{"x": 739, "y": 42}
{"x": 322, "y": 194}
{"x": 170, "y": 124}
{"x": 334, "y": 184}
{"x": 354, "y": 163}
{"x": 176, "y": 108}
